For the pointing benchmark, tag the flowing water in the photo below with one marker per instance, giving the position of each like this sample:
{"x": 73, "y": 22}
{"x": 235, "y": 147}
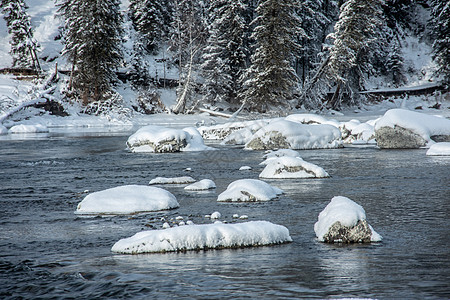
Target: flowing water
{"x": 46, "y": 251}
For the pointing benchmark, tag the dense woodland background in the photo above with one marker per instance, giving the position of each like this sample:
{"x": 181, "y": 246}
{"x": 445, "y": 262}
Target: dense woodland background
{"x": 257, "y": 55}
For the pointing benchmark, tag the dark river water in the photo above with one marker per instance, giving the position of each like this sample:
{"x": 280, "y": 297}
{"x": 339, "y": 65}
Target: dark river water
{"x": 46, "y": 251}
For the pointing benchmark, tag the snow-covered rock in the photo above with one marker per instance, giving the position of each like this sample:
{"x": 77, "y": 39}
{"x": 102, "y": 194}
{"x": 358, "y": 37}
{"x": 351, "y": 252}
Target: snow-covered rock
{"x": 245, "y": 168}
{"x": 344, "y": 221}
{"x": 249, "y": 190}
{"x": 243, "y": 135}
{"x": 400, "y": 128}
{"x": 127, "y": 199}
{"x": 311, "y": 119}
{"x": 222, "y": 131}
{"x": 439, "y": 149}
{"x": 291, "y": 167}
{"x": 278, "y": 153}
{"x": 209, "y": 236}
{"x": 204, "y": 184}
{"x": 159, "y": 139}
{"x": 284, "y": 134}
{"x": 38, "y": 128}
{"x": 172, "y": 180}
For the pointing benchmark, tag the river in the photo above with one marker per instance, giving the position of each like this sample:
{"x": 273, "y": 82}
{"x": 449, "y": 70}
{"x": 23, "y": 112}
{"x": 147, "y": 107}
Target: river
{"x": 46, "y": 251}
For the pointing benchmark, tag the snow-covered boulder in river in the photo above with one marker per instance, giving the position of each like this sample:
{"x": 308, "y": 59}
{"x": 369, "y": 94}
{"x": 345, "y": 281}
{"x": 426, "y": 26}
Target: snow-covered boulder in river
{"x": 202, "y": 185}
{"x": 285, "y": 134}
{"x": 439, "y": 149}
{"x": 207, "y": 236}
{"x": 249, "y": 190}
{"x": 344, "y": 221}
{"x": 127, "y": 199}
{"x": 160, "y": 139}
{"x": 402, "y": 129}
{"x": 172, "y": 180}
{"x": 291, "y": 167}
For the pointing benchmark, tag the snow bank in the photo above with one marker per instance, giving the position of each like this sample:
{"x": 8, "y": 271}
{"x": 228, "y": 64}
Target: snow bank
{"x": 172, "y": 180}
{"x": 3, "y": 130}
{"x": 28, "y": 129}
{"x": 249, "y": 190}
{"x": 127, "y": 199}
{"x": 154, "y": 138}
{"x": 421, "y": 124}
{"x": 311, "y": 119}
{"x": 204, "y": 184}
{"x": 291, "y": 167}
{"x": 439, "y": 149}
{"x": 293, "y": 135}
{"x": 345, "y": 211}
{"x": 210, "y": 236}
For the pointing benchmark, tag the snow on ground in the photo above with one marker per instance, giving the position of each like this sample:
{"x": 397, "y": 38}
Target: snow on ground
{"x": 422, "y": 124}
{"x": 204, "y": 184}
{"x": 347, "y": 212}
{"x": 291, "y": 167}
{"x": 127, "y": 199}
{"x": 209, "y": 236}
{"x": 439, "y": 149}
{"x": 172, "y": 180}
{"x": 249, "y": 190}
{"x": 153, "y": 138}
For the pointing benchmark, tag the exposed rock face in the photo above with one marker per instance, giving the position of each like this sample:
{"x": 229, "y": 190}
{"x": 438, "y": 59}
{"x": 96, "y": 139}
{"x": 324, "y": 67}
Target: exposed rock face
{"x": 441, "y": 138}
{"x": 398, "y": 138}
{"x": 172, "y": 145}
{"x": 274, "y": 140}
{"x": 337, "y": 233}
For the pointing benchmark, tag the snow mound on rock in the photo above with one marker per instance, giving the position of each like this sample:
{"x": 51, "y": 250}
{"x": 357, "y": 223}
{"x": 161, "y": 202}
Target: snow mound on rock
{"x": 172, "y": 180}
{"x": 249, "y": 190}
{"x": 285, "y": 134}
{"x": 345, "y": 211}
{"x": 209, "y": 236}
{"x": 439, "y": 149}
{"x": 38, "y": 128}
{"x": 278, "y": 153}
{"x": 424, "y": 125}
{"x": 311, "y": 119}
{"x": 127, "y": 199}
{"x": 204, "y": 184}
{"x": 160, "y": 139}
{"x": 291, "y": 167}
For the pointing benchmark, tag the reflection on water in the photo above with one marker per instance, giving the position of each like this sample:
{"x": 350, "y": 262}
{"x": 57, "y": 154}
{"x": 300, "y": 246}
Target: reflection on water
{"x": 48, "y": 251}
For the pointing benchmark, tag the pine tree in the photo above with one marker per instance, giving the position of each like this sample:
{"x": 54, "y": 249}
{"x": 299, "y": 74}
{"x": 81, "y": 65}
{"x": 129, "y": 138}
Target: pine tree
{"x": 271, "y": 76}
{"x": 225, "y": 55}
{"x": 395, "y": 65}
{"x": 441, "y": 31}
{"x": 92, "y": 44}
{"x": 355, "y": 35}
{"x": 147, "y": 17}
{"x": 23, "y": 46}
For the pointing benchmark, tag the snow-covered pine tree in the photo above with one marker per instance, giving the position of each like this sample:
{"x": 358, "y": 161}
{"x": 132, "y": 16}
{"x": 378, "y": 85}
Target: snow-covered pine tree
{"x": 92, "y": 36}
{"x": 147, "y": 17}
{"x": 394, "y": 65}
{"x": 225, "y": 54}
{"x": 441, "y": 32}
{"x": 187, "y": 40}
{"x": 355, "y": 36}
{"x": 23, "y": 46}
{"x": 271, "y": 78}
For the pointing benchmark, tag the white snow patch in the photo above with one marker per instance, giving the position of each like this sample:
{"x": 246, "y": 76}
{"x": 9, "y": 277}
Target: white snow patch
{"x": 172, "y": 180}
{"x": 245, "y": 168}
{"x": 209, "y": 236}
{"x": 127, "y": 199}
{"x": 419, "y": 123}
{"x": 204, "y": 184}
{"x": 271, "y": 155}
{"x": 291, "y": 167}
{"x": 344, "y": 210}
{"x": 301, "y": 136}
{"x": 249, "y": 190}
{"x": 28, "y": 129}
{"x": 216, "y": 215}
{"x": 311, "y": 119}
{"x": 439, "y": 149}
